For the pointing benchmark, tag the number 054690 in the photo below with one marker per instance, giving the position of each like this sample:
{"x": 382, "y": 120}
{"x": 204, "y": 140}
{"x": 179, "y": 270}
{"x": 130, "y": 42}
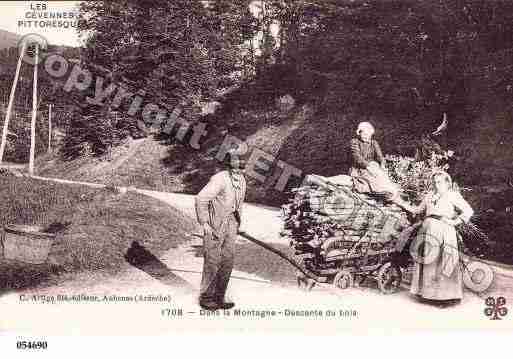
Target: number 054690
{"x": 31, "y": 345}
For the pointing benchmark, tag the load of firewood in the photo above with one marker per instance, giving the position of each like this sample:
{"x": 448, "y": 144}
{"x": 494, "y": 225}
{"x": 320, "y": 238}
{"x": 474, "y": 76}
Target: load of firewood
{"x": 327, "y": 217}
{"x": 326, "y": 213}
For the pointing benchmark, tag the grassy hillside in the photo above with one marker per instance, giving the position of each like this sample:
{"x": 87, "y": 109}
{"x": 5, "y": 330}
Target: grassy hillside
{"x": 157, "y": 164}
{"x": 139, "y": 163}
{"x": 314, "y": 142}
{"x": 8, "y": 39}
{"x": 95, "y": 229}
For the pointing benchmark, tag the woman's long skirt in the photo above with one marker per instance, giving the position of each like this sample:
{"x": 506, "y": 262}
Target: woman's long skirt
{"x": 437, "y": 274}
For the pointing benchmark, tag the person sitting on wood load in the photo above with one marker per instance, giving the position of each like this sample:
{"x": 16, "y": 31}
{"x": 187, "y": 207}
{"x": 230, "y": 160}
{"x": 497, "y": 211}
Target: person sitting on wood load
{"x": 368, "y": 165}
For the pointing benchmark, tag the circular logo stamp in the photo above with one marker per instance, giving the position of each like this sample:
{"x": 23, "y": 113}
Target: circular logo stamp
{"x": 28, "y": 44}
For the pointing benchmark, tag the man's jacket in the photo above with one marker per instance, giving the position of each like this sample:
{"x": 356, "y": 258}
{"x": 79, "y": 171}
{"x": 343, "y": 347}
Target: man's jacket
{"x": 223, "y": 195}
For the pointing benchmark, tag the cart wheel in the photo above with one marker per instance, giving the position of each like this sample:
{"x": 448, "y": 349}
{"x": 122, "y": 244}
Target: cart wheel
{"x": 389, "y": 278}
{"x": 343, "y": 280}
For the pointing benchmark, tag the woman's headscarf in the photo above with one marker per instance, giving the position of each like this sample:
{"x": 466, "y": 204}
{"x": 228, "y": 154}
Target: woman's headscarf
{"x": 443, "y": 174}
{"x": 365, "y": 126}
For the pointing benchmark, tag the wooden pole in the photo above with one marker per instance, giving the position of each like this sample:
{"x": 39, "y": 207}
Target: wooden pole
{"x": 9, "y": 107}
{"x": 289, "y": 258}
{"x": 49, "y": 128}
{"x": 34, "y": 113}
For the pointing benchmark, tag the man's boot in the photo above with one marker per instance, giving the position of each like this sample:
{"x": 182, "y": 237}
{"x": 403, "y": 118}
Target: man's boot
{"x": 225, "y": 305}
{"x": 209, "y": 304}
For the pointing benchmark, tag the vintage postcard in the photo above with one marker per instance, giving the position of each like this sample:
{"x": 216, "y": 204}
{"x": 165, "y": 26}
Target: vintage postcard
{"x": 266, "y": 166}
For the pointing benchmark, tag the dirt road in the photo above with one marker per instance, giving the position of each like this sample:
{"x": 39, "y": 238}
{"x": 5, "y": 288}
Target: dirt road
{"x": 162, "y": 298}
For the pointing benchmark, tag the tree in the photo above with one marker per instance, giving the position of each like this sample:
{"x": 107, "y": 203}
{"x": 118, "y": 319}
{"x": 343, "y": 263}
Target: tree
{"x": 172, "y": 53}
{"x": 396, "y": 57}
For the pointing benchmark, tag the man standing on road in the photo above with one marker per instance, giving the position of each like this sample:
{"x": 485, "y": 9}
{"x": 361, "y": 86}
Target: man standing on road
{"x": 219, "y": 210}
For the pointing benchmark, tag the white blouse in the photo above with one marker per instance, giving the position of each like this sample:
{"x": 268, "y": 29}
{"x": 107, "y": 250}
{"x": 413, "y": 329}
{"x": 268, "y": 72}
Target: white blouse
{"x": 450, "y": 205}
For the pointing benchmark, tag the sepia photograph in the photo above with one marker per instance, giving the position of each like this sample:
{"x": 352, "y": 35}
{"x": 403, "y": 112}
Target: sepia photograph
{"x": 316, "y": 167}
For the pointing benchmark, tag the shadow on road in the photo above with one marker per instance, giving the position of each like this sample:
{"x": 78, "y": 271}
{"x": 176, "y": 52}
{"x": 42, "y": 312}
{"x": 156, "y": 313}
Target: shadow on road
{"x": 141, "y": 258}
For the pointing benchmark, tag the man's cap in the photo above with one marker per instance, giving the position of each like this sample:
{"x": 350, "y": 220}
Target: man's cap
{"x": 231, "y": 157}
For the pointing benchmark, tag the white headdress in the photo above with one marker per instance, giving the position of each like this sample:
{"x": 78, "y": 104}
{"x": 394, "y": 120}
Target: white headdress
{"x": 365, "y": 126}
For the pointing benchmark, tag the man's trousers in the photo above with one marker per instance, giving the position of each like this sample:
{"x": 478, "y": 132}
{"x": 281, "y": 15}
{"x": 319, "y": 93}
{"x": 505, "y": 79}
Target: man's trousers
{"x": 218, "y": 254}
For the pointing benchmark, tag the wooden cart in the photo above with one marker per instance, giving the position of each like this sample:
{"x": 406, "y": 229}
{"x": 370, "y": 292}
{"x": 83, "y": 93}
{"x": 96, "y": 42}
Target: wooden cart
{"x": 354, "y": 246}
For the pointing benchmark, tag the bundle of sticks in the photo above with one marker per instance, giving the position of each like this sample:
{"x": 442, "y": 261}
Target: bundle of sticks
{"x": 473, "y": 241}
{"x": 324, "y": 216}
